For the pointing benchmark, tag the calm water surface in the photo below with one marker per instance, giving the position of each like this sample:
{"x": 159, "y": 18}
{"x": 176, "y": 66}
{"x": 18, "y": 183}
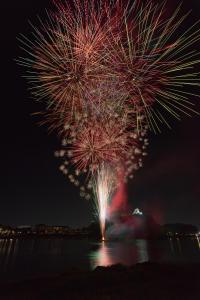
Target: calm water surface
{"x": 20, "y": 259}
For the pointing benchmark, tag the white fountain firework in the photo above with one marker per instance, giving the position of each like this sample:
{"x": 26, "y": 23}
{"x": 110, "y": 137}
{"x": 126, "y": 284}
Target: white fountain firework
{"x": 104, "y": 187}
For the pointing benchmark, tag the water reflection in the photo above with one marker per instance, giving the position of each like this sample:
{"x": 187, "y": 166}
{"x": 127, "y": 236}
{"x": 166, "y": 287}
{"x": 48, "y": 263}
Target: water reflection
{"x": 142, "y": 250}
{"x": 8, "y": 251}
{"x": 179, "y": 245}
{"x": 139, "y": 251}
{"x": 198, "y": 241}
{"x": 21, "y": 258}
{"x": 126, "y": 253}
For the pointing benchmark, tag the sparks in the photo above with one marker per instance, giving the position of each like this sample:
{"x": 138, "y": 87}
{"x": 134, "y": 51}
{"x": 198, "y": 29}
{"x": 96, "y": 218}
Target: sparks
{"x": 109, "y": 73}
{"x": 103, "y": 190}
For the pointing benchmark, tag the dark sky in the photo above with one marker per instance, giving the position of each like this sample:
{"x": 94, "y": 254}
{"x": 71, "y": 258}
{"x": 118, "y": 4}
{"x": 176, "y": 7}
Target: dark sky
{"x": 32, "y": 188}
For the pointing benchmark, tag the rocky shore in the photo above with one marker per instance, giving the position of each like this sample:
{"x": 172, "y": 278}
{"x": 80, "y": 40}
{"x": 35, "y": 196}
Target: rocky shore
{"x": 146, "y": 281}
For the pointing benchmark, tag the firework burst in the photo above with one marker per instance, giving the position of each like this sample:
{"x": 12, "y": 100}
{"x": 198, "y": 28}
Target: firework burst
{"x": 155, "y": 63}
{"x": 109, "y": 72}
{"x": 101, "y": 143}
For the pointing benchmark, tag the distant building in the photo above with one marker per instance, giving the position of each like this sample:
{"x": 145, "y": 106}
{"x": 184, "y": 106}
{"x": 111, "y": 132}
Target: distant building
{"x": 179, "y": 229}
{"x": 23, "y": 230}
{"x": 6, "y": 231}
{"x": 137, "y": 211}
{"x": 42, "y": 229}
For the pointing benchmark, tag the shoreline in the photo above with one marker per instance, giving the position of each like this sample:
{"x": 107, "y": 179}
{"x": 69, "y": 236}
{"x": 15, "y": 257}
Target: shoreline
{"x": 143, "y": 281}
{"x": 94, "y": 238}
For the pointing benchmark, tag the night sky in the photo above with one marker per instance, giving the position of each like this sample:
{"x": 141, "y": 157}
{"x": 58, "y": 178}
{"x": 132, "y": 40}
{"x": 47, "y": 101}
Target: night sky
{"x": 32, "y": 188}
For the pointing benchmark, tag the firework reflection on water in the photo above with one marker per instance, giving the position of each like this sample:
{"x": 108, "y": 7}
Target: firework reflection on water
{"x": 117, "y": 252}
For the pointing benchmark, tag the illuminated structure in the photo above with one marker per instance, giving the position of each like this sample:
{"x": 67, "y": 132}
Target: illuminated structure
{"x": 137, "y": 211}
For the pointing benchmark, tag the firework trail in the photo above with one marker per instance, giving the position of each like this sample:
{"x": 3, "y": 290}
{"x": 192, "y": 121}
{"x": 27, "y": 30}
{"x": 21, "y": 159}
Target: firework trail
{"x": 109, "y": 71}
{"x": 103, "y": 190}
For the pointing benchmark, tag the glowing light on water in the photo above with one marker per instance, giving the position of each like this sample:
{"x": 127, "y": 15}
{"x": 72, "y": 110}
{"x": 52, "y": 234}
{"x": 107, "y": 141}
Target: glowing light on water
{"x": 126, "y": 253}
{"x": 198, "y": 241}
{"x": 103, "y": 256}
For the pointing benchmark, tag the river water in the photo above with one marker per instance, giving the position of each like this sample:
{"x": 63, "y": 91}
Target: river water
{"x": 28, "y": 258}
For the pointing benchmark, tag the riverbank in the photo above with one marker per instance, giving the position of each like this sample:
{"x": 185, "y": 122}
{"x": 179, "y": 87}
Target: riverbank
{"x": 146, "y": 281}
